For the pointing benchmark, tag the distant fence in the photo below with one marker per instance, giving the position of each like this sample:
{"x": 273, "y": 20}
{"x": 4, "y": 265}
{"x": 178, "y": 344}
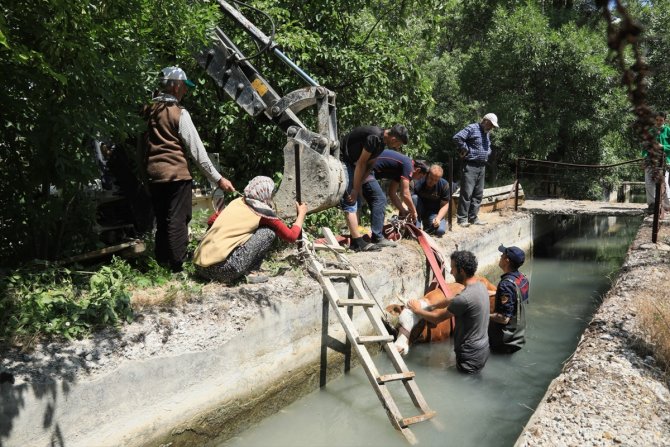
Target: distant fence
{"x": 560, "y": 178}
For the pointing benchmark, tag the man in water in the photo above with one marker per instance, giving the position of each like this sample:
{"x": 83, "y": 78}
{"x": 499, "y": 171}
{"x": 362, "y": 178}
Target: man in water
{"x": 471, "y": 310}
{"x": 507, "y": 327}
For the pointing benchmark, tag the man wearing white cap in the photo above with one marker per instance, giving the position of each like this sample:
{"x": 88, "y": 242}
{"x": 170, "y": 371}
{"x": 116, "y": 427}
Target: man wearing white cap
{"x": 170, "y": 136}
{"x": 474, "y": 147}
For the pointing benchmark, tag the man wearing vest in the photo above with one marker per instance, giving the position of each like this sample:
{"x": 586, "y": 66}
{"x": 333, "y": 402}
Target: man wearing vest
{"x": 507, "y": 324}
{"x": 170, "y": 136}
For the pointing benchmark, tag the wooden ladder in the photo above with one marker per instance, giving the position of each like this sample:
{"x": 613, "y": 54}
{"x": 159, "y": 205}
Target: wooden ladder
{"x": 362, "y": 299}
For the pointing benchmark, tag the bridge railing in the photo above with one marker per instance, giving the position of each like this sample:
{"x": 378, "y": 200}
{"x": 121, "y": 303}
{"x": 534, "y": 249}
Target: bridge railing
{"x": 560, "y": 177}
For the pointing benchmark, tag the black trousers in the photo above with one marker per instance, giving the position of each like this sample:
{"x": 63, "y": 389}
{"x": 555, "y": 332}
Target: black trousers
{"x": 173, "y": 207}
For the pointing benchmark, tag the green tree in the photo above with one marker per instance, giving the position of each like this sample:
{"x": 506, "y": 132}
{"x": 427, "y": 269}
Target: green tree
{"x": 555, "y": 95}
{"x": 74, "y": 71}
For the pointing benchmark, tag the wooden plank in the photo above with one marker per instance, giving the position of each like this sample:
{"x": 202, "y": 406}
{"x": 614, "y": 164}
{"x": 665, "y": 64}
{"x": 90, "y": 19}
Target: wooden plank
{"x": 409, "y": 436}
{"x": 367, "y": 339}
{"x": 405, "y": 422}
{"x": 101, "y": 252}
{"x": 375, "y": 317}
{"x": 394, "y": 377}
{"x": 335, "y": 272}
{"x": 337, "y": 248}
{"x": 355, "y": 302}
{"x": 329, "y": 236}
{"x": 369, "y": 366}
{"x": 336, "y": 345}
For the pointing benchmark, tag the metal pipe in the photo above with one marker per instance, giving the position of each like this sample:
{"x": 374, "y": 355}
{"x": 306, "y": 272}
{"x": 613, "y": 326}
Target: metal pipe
{"x": 263, "y": 39}
{"x": 516, "y": 187}
{"x": 450, "y": 210}
{"x": 307, "y": 78}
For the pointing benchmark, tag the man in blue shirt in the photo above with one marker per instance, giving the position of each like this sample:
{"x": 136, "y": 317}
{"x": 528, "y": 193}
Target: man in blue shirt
{"x": 507, "y": 325}
{"x": 431, "y": 197}
{"x": 474, "y": 147}
{"x": 399, "y": 169}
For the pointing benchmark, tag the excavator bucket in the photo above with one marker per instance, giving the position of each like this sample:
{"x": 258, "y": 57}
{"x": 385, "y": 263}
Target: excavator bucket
{"x": 323, "y": 180}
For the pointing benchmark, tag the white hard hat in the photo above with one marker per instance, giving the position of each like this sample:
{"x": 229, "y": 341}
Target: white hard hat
{"x": 493, "y": 118}
{"x": 176, "y": 74}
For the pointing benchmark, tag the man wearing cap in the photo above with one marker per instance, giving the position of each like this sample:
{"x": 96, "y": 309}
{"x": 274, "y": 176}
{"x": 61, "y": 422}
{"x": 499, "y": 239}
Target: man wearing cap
{"x": 507, "y": 324}
{"x": 431, "y": 197}
{"x": 170, "y": 136}
{"x": 474, "y": 147}
{"x": 471, "y": 311}
{"x": 400, "y": 170}
{"x": 358, "y": 152}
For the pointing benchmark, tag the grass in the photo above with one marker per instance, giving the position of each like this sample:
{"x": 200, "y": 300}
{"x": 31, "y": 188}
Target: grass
{"x": 654, "y": 315}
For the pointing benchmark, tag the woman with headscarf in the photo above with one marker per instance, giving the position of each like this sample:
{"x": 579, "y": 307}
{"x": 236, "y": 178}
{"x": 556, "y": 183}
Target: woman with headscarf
{"x": 243, "y": 233}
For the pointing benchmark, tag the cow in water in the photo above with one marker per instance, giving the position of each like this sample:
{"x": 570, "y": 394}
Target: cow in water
{"x": 413, "y": 329}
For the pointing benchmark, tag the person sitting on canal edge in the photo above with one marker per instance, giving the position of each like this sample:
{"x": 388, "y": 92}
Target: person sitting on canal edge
{"x": 400, "y": 170}
{"x": 471, "y": 311}
{"x": 358, "y": 151}
{"x": 243, "y": 233}
{"x": 661, "y": 133}
{"x": 474, "y": 147}
{"x": 431, "y": 198}
{"x": 507, "y": 328}
{"x": 169, "y": 137}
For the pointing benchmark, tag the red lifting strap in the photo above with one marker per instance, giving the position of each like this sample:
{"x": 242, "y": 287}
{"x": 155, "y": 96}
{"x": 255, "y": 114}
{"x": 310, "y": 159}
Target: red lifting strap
{"x": 430, "y": 255}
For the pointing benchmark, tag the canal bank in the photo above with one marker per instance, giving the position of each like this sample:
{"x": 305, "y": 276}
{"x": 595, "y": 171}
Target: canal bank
{"x": 612, "y": 391}
{"x": 162, "y": 380}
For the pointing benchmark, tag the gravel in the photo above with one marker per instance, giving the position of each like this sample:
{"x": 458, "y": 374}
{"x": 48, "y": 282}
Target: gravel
{"x": 612, "y": 391}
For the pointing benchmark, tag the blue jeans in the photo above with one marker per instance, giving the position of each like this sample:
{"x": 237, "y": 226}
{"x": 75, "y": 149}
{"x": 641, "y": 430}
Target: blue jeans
{"x": 349, "y": 207}
{"x": 377, "y": 202}
{"x": 426, "y": 215}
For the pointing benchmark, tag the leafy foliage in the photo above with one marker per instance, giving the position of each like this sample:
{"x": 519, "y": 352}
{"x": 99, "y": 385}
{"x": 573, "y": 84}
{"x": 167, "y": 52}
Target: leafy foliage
{"x": 74, "y": 71}
{"x": 60, "y": 303}
{"x": 80, "y": 70}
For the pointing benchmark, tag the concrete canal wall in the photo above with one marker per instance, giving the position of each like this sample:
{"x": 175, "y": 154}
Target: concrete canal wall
{"x": 199, "y": 374}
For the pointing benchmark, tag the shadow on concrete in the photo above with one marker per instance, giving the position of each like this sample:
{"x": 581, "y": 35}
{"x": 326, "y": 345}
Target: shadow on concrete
{"x": 44, "y": 375}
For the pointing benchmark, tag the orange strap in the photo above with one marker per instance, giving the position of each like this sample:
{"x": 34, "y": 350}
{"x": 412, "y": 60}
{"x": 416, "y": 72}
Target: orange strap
{"x": 430, "y": 255}
{"x": 434, "y": 265}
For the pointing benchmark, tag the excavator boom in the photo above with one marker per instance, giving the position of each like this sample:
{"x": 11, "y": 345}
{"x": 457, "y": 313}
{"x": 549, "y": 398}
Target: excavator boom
{"x": 322, "y": 177}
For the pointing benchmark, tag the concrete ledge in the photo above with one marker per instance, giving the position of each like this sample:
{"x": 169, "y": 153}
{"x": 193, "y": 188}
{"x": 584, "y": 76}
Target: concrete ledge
{"x": 202, "y": 397}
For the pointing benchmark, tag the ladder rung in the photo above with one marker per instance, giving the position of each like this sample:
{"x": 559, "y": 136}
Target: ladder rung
{"x": 416, "y": 419}
{"x": 338, "y": 248}
{"x": 392, "y": 377}
{"x": 355, "y": 302}
{"x": 333, "y": 272}
{"x": 374, "y": 339}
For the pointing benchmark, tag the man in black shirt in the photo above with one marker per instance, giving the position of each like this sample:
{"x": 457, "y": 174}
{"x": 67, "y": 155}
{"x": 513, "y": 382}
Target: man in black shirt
{"x": 358, "y": 151}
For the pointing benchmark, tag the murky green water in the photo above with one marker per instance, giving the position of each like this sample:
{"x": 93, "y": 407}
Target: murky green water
{"x": 569, "y": 271}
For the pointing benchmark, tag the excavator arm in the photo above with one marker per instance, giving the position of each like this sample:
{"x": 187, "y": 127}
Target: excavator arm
{"x": 312, "y": 156}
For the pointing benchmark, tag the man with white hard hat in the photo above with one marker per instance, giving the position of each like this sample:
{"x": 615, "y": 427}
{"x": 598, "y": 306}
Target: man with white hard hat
{"x": 170, "y": 137}
{"x": 474, "y": 147}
